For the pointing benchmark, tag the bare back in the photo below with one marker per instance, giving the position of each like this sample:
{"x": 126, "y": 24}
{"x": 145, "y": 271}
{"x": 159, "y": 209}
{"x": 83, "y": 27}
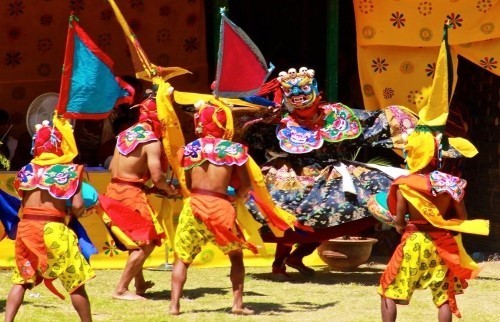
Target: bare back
{"x": 134, "y": 166}
{"x": 144, "y": 162}
{"x": 211, "y": 177}
{"x": 41, "y": 198}
{"x": 443, "y": 202}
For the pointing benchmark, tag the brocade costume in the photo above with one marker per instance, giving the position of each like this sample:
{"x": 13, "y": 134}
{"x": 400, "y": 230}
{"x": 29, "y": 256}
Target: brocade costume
{"x": 429, "y": 255}
{"x": 208, "y": 216}
{"x": 125, "y": 203}
{"x": 46, "y": 248}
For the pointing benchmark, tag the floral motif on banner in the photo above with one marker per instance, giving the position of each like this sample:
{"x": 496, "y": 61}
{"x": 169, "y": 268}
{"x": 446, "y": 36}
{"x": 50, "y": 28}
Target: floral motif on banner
{"x": 379, "y": 65}
{"x": 489, "y": 63}
{"x": 430, "y": 69}
{"x": 398, "y": 20}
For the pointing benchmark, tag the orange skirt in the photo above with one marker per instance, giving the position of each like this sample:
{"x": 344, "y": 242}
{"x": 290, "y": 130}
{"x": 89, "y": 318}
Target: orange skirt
{"x": 47, "y": 249}
{"x": 128, "y": 208}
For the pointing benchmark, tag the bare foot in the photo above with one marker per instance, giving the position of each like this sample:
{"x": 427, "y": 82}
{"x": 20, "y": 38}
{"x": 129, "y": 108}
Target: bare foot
{"x": 128, "y": 296}
{"x": 280, "y": 274}
{"x": 141, "y": 290}
{"x": 242, "y": 311}
{"x": 298, "y": 265}
{"x": 174, "y": 311}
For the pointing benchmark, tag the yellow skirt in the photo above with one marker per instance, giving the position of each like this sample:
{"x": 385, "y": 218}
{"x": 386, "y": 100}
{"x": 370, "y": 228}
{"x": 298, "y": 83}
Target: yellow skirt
{"x": 192, "y": 234}
{"x": 63, "y": 257}
{"x": 421, "y": 268}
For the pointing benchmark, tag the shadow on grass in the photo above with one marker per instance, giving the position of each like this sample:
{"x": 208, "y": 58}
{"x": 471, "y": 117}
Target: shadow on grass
{"x": 274, "y": 308}
{"x": 192, "y": 294}
{"x": 488, "y": 278}
{"x": 3, "y": 303}
{"x": 40, "y": 305}
{"x": 365, "y": 276}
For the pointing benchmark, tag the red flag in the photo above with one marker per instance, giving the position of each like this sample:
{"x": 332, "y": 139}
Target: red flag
{"x": 241, "y": 67}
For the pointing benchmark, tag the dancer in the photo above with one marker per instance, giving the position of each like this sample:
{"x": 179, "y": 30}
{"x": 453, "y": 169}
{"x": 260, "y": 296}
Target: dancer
{"x": 208, "y": 215}
{"x": 310, "y": 171}
{"x": 431, "y": 254}
{"x": 45, "y": 185}
{"x": 138, "y": 157}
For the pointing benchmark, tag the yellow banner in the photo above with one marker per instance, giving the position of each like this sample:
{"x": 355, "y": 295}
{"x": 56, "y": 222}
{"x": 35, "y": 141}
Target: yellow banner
{"x": 109, "y": 257}
{"x": 398, "y": 44}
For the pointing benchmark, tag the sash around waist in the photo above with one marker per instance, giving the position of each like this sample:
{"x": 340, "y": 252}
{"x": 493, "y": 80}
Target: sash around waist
{"x": 43, "y": 214}
{"x": 211, "y": 193}
{"x": 138, "y": 184}
{"x": 423, "y": 226}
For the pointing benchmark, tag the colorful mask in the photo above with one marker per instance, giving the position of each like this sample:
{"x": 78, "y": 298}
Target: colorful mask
{"x": 300, "y": 89}
{"x": 210, "y": 121}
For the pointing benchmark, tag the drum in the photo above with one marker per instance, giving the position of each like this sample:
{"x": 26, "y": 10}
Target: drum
{"x": 89, "y": 194}
{"x": 377, "y": 206}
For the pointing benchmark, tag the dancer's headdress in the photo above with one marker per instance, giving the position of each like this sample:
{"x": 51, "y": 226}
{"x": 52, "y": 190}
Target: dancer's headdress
{"x": 54, "y": 143}
{"x": 211, "y": 120}
{"x": 148, "y": 112}
{"x": 427, "y": 144}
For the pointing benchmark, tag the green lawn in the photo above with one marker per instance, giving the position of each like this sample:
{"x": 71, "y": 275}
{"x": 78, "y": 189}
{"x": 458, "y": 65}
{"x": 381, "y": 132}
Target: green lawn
{"x": 328, "y": 296}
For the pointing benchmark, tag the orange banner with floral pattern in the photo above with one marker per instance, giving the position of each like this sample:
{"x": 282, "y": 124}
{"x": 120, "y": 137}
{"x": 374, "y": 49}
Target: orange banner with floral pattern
{"x": 398, "y": 44}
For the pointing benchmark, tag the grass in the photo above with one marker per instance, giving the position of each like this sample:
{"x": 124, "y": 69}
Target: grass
{"x": 328, "y": 296}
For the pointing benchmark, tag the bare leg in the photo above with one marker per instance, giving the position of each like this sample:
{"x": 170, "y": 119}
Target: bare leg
{"x": 136, "y": 259}
{"x": 141, "y": 285}
{"x": 237, "y": 277}
{"x": 282, "y": 252}
{"x": 179, "y": 276}
{"x": 444, "y": 313}
{"x": 388, "y": 309}
{"x": 14, "y": 300}
{"x": 296, "y": 257}
{"x": 81, "y": 303}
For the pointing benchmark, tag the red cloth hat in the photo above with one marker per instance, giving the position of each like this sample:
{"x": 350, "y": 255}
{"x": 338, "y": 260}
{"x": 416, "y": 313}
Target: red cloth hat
{"x": 47, "y": 139}
{"x": 210, "y": 121}
{"x": 149, "y": 113}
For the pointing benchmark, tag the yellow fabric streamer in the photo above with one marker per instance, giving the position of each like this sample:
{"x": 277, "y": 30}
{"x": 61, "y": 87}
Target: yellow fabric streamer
{"x": 172, "y": 137}
{"x": 432, "y": 214}
{"x": 142, "y": 65}
{"x": 166, "y": 218}
{"x": 249, "y": 226}
{"x": 68, "y": 145}
{"x": 465, "y": 147}
{"x": 435, "y": 112}
{"x": 188, "y": 98}
{"x": 465, "y": 260}
{"x": 144, "y": 69}
{"x": 260, "y": 190}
